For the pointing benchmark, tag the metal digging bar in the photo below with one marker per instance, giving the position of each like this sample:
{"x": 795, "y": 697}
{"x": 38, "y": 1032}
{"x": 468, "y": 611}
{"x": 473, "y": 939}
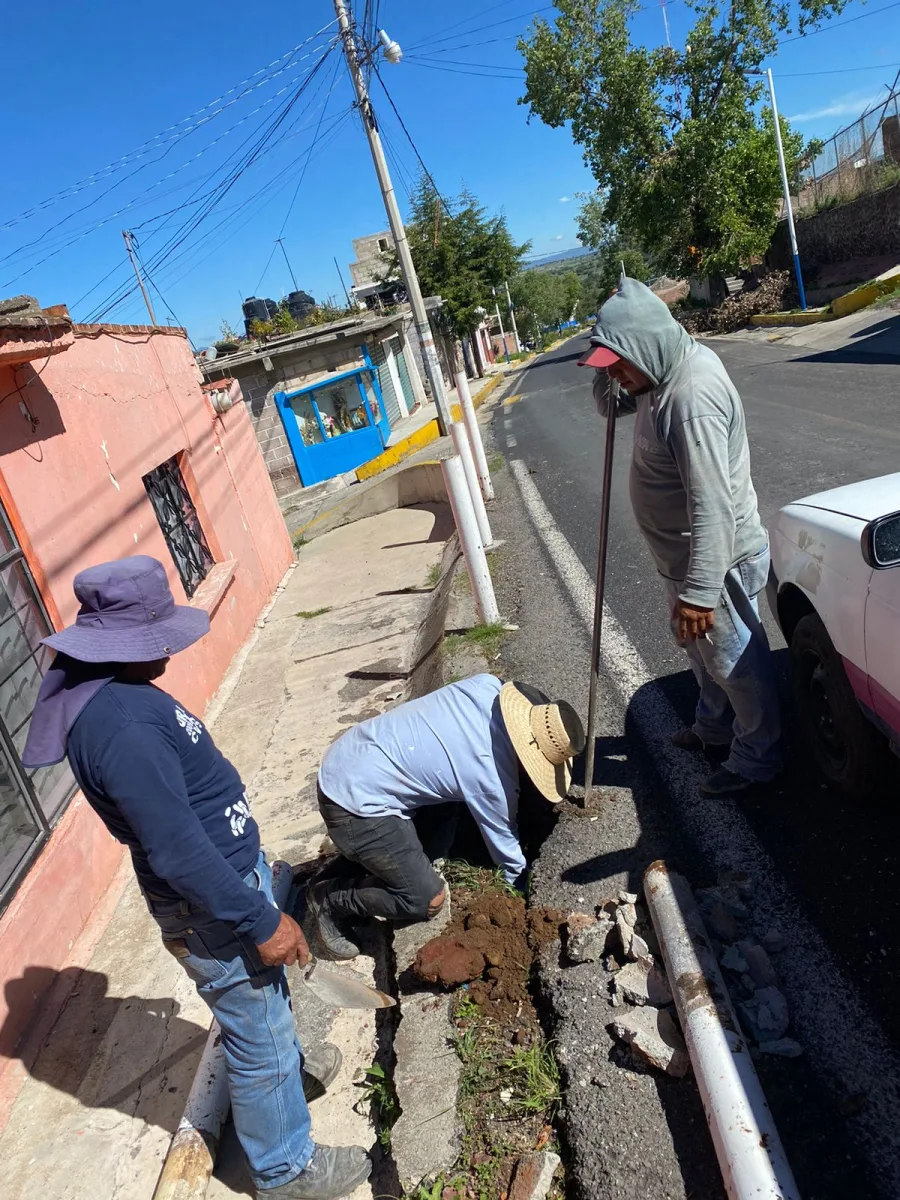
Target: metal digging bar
{"x": 751, "y": 1156}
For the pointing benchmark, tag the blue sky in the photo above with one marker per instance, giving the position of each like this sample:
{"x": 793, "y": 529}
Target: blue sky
{"x": 101, "y": 81}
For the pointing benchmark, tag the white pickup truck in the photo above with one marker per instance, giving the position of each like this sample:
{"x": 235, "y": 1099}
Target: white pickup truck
{"x": 834, "y": 589}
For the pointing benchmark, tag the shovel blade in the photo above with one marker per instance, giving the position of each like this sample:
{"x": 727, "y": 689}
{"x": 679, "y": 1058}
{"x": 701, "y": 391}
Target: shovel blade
{"x": 338, "y": 991}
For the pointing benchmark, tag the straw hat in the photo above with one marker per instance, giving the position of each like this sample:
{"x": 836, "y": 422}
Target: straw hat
{"x": 545, "y": 735}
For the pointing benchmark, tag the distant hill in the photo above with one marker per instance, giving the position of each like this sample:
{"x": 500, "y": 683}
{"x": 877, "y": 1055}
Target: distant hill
{"x": 561, "y": 256}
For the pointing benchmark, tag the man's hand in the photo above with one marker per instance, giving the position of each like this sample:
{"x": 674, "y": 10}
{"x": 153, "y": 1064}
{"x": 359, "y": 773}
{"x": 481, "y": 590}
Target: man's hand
{"x": 286, "y": 946}
{"x": 692, "y": 622}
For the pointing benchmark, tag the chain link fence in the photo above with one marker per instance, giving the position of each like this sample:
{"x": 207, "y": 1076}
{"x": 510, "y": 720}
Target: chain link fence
{"x": 863, "y": 157}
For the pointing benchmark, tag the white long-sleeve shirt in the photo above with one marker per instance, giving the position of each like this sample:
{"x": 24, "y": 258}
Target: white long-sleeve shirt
{"x": 449, "y": 745}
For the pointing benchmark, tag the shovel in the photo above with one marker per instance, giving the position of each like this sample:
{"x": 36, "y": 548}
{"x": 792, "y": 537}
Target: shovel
{"x": 337, "y": 991}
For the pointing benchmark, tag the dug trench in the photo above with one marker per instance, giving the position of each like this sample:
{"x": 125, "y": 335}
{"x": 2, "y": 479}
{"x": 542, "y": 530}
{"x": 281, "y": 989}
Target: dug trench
{"x": 481, "y": 968}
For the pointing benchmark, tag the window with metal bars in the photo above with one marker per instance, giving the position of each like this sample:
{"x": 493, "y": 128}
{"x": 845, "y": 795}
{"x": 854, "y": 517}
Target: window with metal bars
{"x": 30, "y": 800}
{"x": 179, "y": 523}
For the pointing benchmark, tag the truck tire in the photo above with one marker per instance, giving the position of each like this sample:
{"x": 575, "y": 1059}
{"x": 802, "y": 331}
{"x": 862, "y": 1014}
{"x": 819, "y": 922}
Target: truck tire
{"x": 845, "y": 747}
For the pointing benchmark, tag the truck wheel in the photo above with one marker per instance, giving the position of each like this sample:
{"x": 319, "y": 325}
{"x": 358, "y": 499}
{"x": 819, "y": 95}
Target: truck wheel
{"x": 844, "y": 745}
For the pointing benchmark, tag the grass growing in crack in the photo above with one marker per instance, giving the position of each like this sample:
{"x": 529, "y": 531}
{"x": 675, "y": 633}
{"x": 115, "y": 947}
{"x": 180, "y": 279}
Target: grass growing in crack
{"x": 533, "y": 1076}
{"x": 309, "y": 613}
{"x": 379, "y": 1091}
{"x": 461, "y": 874}
{"x": 486, "y": 638}
{"x": 433, "y": 578}
{"x": 299, "y": 540}
{"x": 495, "y": 463}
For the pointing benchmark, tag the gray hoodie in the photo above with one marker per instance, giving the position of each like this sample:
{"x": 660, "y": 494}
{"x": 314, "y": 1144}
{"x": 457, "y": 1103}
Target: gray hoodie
{"x": 691, "y": 489}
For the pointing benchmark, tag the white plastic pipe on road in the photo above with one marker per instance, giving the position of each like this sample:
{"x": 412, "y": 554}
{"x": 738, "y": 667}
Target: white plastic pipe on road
{"x": 751, "y": 1156}
{"x": 471, "y": 423}
{"x": 470, "y": 540}
{"x": 461, "y": 445}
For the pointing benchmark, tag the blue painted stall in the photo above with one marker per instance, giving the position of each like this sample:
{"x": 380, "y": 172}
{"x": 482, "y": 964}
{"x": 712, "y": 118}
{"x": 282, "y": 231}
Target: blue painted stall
{"x": 335, "y": 424}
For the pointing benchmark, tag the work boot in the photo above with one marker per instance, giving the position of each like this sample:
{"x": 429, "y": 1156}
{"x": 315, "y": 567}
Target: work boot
{"x": 320, "y": 1069}
{"x": 333, "y": 938}
{"x": 686, "y": 739}
{"x": 332, "y": 1173}
{"x": 725, "y": 783}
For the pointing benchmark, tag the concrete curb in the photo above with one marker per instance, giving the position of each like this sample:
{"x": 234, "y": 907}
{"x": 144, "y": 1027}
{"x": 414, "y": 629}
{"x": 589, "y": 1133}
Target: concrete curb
{"x": 841, "y": 306}
{"x": 422, "y": 483}
{"x": 801, "y": 318}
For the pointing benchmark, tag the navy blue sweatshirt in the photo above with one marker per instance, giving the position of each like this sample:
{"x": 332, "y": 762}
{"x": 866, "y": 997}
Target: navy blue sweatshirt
{"x": 153, "y": 774}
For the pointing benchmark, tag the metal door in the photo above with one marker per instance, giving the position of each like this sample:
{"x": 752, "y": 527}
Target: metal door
{"x": 386, "y": 383}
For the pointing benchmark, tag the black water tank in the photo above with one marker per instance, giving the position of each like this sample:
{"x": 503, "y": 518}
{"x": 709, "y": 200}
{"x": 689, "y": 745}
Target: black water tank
{"x": 255, "y": 309}
{"x": 300, "y": 305}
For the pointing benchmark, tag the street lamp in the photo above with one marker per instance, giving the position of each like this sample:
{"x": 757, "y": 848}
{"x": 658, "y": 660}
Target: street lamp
{"x": 785, "y": 186}
{"x": 392, "y": 51}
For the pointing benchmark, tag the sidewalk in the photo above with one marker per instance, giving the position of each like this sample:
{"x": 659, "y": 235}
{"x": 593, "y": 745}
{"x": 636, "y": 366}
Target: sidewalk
{"x": 96, "y": 1113}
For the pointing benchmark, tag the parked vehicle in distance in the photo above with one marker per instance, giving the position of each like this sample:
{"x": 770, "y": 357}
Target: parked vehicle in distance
{"x": 834, "y": 589}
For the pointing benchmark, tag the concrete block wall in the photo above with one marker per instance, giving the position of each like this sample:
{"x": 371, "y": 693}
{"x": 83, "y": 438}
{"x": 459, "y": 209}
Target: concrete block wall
{"x": 864, "y": 227}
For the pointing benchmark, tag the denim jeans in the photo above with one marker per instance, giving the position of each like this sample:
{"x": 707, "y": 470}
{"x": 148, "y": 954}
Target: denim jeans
{"x": 398, "y": 881}
{"x": 738, "y": 702}
{"x": 263, "y": 1057}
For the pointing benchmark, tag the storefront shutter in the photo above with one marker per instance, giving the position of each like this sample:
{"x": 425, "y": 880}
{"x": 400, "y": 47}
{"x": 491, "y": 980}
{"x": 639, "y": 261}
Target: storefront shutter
{"x": 391, "y": 404}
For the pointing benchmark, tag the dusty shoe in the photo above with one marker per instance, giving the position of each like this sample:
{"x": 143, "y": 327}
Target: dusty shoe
{"x": 334, "y": 941}
{"x": 686, "y": 739}
{"x": 725, "y": 783}
{"x": 333, "y": 1172}
{"x": 320, "y": 1069}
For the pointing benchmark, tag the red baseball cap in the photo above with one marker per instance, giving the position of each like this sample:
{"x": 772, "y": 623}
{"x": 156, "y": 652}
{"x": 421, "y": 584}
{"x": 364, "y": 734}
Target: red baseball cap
{"x": 598, "y": 356}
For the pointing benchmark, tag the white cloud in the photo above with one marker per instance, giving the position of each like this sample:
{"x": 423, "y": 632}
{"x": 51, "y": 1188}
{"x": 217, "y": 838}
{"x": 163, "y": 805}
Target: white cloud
{"x": 558, "y": 238}
{"x": 564, "y": 199}
{"x": 852, "y": 104}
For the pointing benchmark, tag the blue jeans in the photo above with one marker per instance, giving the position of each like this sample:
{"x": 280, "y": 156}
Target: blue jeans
{"x": 738, "y": 703}
{"x": 263, "y": 1057}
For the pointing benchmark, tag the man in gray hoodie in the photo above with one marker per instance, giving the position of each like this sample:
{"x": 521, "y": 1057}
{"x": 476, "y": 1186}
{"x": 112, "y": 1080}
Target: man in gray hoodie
{"x": 694, "y": 502}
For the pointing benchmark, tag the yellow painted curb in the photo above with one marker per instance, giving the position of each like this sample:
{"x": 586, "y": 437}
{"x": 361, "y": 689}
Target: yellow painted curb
{"x": 860, "y": 298}
{"x": 785, "y": 318}
{"x": 480, "y": 396}
{"x": 512, "y": 399}
{"x": 403, "y": 449}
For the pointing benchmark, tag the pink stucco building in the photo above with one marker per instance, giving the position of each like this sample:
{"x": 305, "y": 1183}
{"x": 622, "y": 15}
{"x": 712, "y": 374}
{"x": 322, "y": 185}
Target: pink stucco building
{"x": 108, "y": 447}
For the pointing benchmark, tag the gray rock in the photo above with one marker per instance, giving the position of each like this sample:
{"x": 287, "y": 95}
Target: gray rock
{"x": 759, "y": 964}
{"x": 741, "y": 881}
{"x": 589, "y": 945}
{"x": 774, "y": 942}
{"x": 643, "y": 983}
{"x": 766, "y": 1014}
{"x": 628, "y": 897}
{"x": 629, "y": 912}
{"x": 533, "y": 1175}
{"x": 733, "y": 960}
{"x": 655, "y": 1038}
{"x": 784, "y": 1047}
{"x": 722, "y": 924}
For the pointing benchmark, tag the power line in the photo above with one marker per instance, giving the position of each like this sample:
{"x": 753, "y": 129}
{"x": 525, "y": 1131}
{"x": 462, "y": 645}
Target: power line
{"x": 421, "y": 58}
{"x": 836, "y": 24}
{"x": 432, "y": 41}
{"x": 218, "y": 193}
{"x": 428, "y": 174}
{"x": 155, "y": 141}
{"x": 460, "y": 71}
{"x": 41, "y": 237}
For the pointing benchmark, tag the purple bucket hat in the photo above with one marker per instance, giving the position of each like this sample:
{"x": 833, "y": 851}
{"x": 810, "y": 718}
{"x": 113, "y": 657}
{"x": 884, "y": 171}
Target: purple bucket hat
{"x": 128, "y": 614}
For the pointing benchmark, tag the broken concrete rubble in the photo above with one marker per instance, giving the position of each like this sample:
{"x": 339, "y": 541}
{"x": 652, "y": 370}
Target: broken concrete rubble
{"x": 643, "y": 983}
{"x": 783, "y": 1047}
{"x": 655, "y": 1038}
{"x": 590, "y": 944}
{"x": 721, "y": 923}
{"x": 759, "y": 964}
{"x": 533, "y": 1176}
{"x": 767, "y": 1014}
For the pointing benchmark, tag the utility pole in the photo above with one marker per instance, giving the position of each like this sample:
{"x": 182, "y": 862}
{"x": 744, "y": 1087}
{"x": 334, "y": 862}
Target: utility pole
{"x": 341, "y": 278}
{"x": 500, "y": 323}
{"x": 785, "y": 186}
{"x": 407, "y": 269}
{"x": 512, "y": 318}
{"x": 129, "y": 238}
{"x": 288, "y": 261}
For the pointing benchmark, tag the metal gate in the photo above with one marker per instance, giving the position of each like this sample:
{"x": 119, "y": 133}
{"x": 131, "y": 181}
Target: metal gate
{"x": 403, "y": 372}
{"x": 386, "y": 383}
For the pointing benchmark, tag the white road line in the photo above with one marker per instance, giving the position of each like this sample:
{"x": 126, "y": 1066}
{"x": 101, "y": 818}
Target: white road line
{"x": 511, "y": 440}
{"x": 842, "y": 1040}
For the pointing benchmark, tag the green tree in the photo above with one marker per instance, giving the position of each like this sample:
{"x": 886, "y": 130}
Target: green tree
{"x": 545, "y": 298}
{"x": 681, "y": 149}
{"x": 613, "y": 250}
{"x": 461, "y": 255}
{"x": 283, "y": 321}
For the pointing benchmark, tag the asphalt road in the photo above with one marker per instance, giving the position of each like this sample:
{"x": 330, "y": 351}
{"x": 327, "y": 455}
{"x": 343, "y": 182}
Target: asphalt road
{"x": 824, "y": 868}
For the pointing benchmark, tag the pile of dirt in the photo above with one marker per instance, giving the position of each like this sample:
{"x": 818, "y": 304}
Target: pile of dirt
{"x": 509, "y": 1087}
{"x": 776, "y": 292}
{"x": 490, "y": 945}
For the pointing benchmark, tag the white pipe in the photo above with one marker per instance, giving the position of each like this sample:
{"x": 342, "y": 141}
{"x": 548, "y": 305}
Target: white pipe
{"x": 470, "y": 540}
{"x": 461, "y": 445}
{"x": 751, "y": 1156}
{"x": 471, "y": 424}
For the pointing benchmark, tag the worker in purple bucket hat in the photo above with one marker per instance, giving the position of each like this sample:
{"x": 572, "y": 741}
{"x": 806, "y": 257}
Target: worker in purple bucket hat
{"x": 155, "y": 777}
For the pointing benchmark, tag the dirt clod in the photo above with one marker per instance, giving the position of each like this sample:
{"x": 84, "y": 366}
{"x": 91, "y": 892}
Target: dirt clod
{"x": 448, "y": 961}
